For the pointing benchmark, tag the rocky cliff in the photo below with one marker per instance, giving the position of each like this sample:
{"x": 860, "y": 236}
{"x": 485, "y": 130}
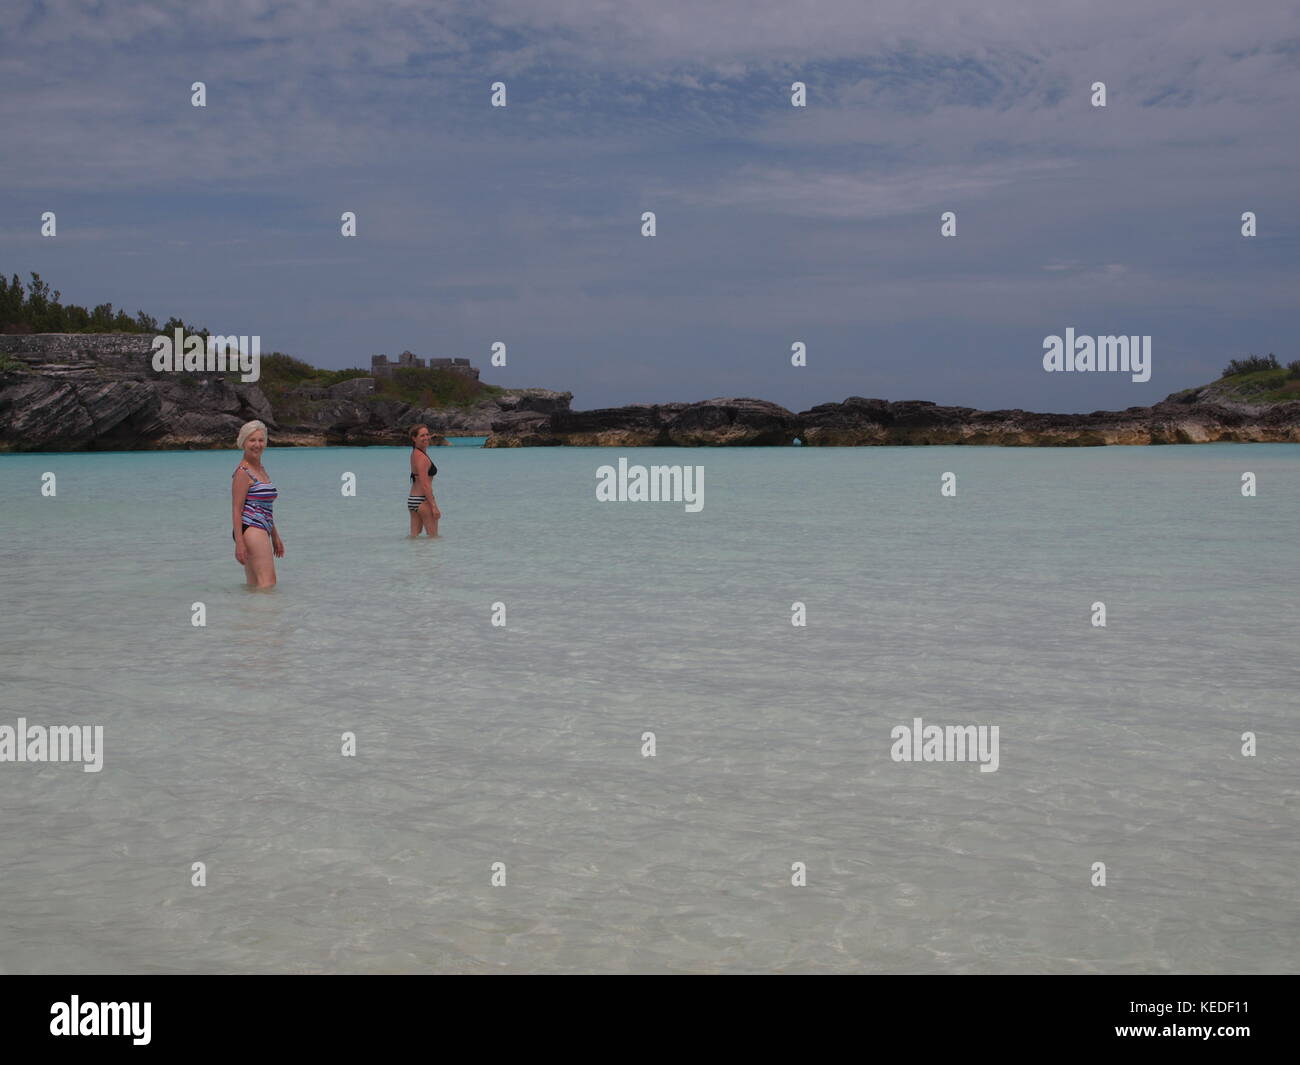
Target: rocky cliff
{"x": 75, "y": 391}
{"x": 716, "y": 422}
{"x": 70, "y": 391}
{"x": 1189, "y": 418}
{"x": 859, "y": 421}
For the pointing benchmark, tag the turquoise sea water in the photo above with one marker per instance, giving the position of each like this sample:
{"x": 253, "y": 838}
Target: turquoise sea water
{"x": 522, "y": 744}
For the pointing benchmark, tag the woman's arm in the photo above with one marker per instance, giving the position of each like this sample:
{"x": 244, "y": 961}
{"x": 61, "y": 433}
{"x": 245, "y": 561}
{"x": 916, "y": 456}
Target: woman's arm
{"x": 238, "y": 493}
{"x": 427, "y": 482}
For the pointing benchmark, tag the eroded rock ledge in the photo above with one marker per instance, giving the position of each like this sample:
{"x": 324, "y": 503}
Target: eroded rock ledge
{"x": 69, "y": 392}
{"x": 859, "y": 421}
{"x": 862, "y": 422}
{"x": 84, "y": 391}
{"x": 715, "y": 422}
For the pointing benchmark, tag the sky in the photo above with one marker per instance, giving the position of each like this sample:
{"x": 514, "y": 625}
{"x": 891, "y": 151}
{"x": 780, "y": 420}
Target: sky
{"x": 775, "y": 224}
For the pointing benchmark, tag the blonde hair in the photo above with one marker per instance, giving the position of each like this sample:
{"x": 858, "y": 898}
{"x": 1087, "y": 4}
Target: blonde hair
{"x": 417, "y": 427}
{"x": 248, "y": 429}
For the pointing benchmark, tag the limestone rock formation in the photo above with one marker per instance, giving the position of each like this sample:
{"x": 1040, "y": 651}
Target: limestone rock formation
{"x": 710, "y": 423}
{"x": 78, "y": 391}
{"x": 862, "y": 422}
{"x": 70, "y": 391}
{"x": 859, "y": 421}
{"x": 478, "y": 420}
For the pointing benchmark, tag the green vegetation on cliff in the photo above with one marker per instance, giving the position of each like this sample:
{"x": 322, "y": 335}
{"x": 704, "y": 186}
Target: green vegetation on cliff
{"x": 418, "y": 387}
{"x": 280, "y": 371}
{"x": 1254, "y": 379}
{"x": 38, "y": 310}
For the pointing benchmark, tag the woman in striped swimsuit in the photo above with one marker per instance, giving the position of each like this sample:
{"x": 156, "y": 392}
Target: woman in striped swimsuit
{"x": 420, "y": 502}
{"x": 252, "y": 494}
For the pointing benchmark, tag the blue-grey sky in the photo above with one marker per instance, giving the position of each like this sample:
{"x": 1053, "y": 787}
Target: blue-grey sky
{"x": 775, "y": 224}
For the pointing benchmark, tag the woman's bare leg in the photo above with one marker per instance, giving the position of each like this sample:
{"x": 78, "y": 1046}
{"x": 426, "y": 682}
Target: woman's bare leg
{"x": 417, "y": 523}
{"x": 261, "y": 560}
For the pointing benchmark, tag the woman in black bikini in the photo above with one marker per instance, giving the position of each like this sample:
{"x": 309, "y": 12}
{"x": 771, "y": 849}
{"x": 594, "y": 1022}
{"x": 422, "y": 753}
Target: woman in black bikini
{"x": 423, "y": 507}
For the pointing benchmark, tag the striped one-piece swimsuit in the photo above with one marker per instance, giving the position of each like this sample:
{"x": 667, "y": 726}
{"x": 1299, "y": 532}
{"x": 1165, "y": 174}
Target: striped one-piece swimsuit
{"x": 257, "y": 504}
{"x": 414, "y": 502}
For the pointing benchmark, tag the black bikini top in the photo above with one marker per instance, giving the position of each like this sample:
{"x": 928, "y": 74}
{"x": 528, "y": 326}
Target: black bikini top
{"x": 433, "y": 470}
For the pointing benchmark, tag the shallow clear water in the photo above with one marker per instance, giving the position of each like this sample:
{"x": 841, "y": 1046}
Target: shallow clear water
{"x": 479, "y": 744}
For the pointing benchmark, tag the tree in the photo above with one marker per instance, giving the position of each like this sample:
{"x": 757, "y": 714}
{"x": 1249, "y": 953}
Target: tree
{"x": 40, "y": 310}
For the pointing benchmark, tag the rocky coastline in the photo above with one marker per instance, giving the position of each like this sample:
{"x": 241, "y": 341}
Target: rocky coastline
{"x": 1189, "y": 418}
{"x": 72, "y": 392}
{"x": 98, "y": 391}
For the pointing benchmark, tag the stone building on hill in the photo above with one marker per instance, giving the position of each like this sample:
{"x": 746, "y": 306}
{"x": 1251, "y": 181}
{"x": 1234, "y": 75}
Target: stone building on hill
{"x": 381, "y": 367}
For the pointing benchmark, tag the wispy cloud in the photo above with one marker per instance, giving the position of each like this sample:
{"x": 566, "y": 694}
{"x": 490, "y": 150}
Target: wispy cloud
{"x": 522, "y": 223}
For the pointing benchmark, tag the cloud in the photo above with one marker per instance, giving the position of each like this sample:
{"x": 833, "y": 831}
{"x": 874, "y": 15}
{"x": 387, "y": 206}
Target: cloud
{"x": 821, "y": 194}
{"x": 524, "y": 219}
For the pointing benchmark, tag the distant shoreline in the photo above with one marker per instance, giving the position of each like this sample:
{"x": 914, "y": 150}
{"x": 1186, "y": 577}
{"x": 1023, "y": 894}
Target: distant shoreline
{"x": 80, "y": 392}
